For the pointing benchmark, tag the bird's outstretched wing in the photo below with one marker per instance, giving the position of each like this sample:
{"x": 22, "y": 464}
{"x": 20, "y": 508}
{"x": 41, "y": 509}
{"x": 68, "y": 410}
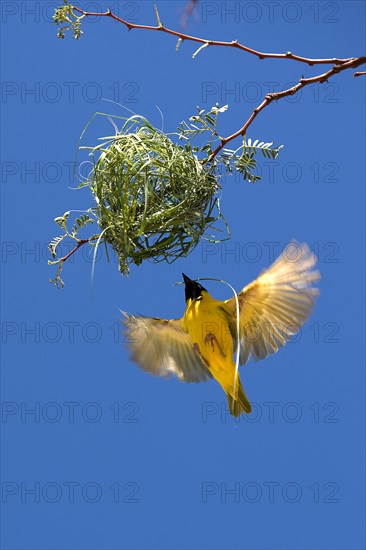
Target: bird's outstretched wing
{"x": 162, "y": 348}
{"x": 274, "y": 306}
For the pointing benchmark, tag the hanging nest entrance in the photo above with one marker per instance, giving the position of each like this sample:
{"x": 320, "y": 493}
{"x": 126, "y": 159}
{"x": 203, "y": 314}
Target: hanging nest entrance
{"x": 153, "y": 198}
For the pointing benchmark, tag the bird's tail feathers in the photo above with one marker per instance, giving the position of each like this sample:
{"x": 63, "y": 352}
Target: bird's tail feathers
{"x": 241, "y": 404}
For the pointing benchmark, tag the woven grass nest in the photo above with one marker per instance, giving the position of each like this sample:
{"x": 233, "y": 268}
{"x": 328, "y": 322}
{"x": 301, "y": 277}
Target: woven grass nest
{"x": 153, "y": 198}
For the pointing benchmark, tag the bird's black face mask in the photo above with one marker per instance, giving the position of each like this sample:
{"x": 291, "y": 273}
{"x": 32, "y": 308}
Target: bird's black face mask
{"x": 193, "y": 290}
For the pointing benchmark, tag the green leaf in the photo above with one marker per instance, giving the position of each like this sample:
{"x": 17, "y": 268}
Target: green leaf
{"x": 52, "y": 247}
{"x": 61, "y": 220}
{"x": 210, "y": 120}
{"x": 218, "y": 109}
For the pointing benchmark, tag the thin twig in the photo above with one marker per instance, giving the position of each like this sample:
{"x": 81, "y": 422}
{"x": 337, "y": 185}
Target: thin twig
{"x": 189, "y": 9}
{"x": 80, "y": 243}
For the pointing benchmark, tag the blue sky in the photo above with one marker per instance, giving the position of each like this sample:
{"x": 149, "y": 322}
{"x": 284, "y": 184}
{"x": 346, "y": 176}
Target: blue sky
{"x": 114, "y": 458}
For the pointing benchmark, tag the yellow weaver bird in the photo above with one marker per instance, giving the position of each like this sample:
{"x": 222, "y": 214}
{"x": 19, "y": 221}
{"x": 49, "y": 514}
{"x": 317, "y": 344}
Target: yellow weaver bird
{"x": 201, "y": 345}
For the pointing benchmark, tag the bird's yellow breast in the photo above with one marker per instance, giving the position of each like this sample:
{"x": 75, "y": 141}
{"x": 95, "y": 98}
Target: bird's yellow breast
{"x": 206, "y": 322}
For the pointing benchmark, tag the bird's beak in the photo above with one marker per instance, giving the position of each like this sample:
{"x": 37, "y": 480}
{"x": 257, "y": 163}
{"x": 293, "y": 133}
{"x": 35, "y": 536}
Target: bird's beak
{"x": 186, "y": 279}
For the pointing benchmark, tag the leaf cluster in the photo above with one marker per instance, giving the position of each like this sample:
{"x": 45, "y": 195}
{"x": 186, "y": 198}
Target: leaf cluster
{"x": 53, "y": 247}
{"x": 65, "y": 18}
{"x": 241, "y": 160}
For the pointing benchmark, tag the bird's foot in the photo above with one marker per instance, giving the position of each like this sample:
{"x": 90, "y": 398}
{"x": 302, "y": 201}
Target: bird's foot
{"x": 210, "y": 338}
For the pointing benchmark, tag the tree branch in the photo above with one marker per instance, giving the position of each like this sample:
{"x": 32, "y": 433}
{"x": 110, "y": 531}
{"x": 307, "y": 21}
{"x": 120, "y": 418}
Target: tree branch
{"x": 233, "y": 44}
{"x": 275, "y": 96}
{"x": 338, "y": 65}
